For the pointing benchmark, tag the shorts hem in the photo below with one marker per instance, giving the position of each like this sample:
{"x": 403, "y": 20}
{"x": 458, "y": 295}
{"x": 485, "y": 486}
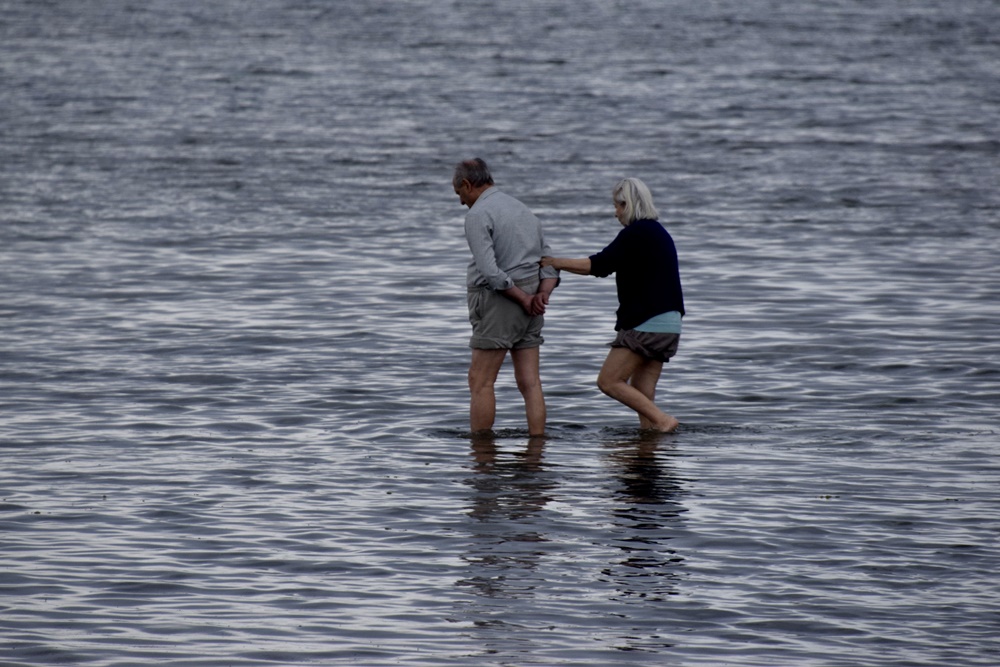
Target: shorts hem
{"x": 489, "y": 344}
{"x": 655, "y": 346}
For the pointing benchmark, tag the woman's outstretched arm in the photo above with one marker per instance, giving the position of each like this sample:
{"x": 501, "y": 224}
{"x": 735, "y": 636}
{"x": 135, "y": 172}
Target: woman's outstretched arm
{"x": 578, "y": 266}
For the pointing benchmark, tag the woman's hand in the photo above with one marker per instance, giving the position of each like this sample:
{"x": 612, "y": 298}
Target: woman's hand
{"x": 579, "y": 266}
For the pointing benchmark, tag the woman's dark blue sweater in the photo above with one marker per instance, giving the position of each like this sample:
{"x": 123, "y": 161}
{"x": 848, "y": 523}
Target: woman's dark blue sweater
{"x": 644, "y": 260}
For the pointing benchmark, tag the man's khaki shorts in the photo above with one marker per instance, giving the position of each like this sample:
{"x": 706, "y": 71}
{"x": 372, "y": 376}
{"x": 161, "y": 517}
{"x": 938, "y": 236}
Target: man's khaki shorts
{"x": 501, "y": 324}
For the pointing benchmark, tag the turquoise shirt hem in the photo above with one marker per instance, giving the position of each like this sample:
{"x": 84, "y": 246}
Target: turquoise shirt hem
{"x": 662, "y": 323}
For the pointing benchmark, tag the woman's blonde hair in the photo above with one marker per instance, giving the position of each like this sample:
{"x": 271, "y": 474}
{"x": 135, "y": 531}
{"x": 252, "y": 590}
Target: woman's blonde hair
{"x": 635, "y": 196}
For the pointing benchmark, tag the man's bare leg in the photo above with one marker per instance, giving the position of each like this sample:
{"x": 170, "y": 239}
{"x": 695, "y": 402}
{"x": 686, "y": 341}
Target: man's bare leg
{"x": 644, "y": 379}
{"x": 529, "y": 383}
{"x": 621, "y": 365}
{"x": 483, "y": 371}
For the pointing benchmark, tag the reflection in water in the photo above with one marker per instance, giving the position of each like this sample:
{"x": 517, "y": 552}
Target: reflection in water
{"x": 646, "y": 514}
{"x": 509, "y": 490}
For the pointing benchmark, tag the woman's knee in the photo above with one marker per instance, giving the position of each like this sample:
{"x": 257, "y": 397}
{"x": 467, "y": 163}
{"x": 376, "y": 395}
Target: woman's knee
{"x": 606, "y": 383}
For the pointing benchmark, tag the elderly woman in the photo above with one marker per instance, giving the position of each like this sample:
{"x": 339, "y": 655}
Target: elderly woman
{"x": 651, "y": 304}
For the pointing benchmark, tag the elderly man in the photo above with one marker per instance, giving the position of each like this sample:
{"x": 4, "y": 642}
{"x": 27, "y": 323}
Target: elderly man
{"x": 507, "y": 294}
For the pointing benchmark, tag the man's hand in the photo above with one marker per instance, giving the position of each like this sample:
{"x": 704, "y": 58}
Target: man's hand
{"x": 538, "y": 303}
{"x": 520, "y": 297}
{"x": 533, "y": 304}
{"x": 541, "y": 298}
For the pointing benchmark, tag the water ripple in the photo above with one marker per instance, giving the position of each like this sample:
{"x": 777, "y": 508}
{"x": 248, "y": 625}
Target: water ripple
{"x": 232, "y": 376}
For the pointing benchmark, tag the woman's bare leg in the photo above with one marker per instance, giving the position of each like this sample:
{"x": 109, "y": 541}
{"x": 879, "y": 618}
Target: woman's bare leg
{"x": 644, "y": 379}
{"x": 613, "y": 380}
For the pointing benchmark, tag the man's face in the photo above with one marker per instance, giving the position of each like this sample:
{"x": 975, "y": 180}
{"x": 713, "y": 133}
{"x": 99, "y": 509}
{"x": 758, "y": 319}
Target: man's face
{"x": 463, "y": 190}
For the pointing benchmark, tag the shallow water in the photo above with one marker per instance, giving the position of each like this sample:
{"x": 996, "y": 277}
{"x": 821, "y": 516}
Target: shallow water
{"x": 232, "y": 379}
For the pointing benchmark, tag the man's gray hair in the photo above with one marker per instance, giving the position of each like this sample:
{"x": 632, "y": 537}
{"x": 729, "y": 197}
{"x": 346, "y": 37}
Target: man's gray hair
{"x": 475, "y": 171}
{"x": 636, "y": 198}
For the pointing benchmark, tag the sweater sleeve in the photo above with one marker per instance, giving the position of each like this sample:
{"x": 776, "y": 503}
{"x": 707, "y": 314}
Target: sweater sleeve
{"x": 607, "y": 261}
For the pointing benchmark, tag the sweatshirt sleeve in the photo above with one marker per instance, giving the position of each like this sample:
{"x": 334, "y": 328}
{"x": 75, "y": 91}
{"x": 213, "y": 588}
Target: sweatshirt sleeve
{"x": 546, "y": 271}
{"x": 477, "y": 233}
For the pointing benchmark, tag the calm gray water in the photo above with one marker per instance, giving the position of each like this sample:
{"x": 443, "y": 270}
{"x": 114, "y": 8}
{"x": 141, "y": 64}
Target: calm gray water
{"x": 232, "y": 372}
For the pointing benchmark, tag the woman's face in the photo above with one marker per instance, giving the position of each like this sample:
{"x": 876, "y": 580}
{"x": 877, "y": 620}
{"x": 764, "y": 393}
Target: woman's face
{"x": 620, "y": 212}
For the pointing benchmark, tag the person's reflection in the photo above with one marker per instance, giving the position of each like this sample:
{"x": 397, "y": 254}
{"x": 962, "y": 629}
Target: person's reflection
{"x": 646, "y": 515}
{"x": 508, "y": 490}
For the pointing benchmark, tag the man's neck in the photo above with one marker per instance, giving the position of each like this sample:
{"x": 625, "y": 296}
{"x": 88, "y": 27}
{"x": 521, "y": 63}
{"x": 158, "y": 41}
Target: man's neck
{"x": 475, "y": 193}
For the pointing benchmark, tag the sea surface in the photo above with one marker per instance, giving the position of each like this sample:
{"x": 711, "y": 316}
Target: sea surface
{"x": 233, "y": 335}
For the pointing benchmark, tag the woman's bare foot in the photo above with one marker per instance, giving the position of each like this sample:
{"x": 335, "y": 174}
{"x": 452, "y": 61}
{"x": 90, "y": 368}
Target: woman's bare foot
{"x": 668, "y": 426}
